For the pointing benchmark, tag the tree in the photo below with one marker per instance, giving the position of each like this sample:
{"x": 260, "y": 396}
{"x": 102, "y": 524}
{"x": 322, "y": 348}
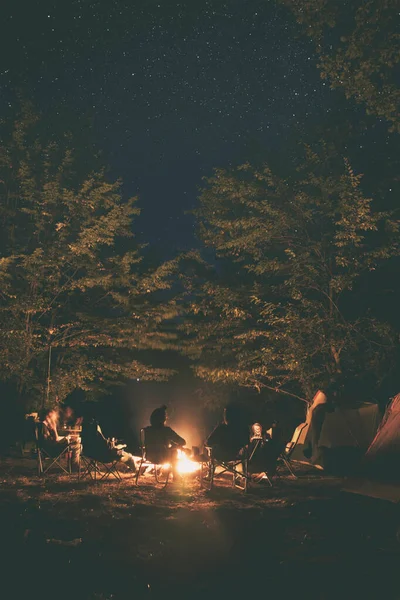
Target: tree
{"x": 280, "y": 306}
{"x": 358, "y": 46}
{"x": 76, "y": 303}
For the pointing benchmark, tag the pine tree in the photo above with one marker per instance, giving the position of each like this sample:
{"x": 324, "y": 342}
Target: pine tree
{"x": 76, "y": 303}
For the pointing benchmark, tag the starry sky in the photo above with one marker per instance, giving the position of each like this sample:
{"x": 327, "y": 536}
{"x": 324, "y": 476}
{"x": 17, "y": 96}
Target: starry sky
{"x": 167, "y": 90}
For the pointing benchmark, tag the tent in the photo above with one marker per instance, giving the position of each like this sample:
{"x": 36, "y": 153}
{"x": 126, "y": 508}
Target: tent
{"x": 383, "y": 455}
{"x": 381, "y": 472}
{"x": 346, "y": 434}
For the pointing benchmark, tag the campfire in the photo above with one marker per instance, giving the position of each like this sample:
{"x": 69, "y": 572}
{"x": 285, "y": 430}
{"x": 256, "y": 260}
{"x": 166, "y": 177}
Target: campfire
{"x": 185, "y": 464}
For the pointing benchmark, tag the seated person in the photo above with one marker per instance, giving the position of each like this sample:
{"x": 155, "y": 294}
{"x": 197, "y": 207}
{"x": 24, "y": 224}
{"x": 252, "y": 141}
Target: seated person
{"x": 68, "y": 418}
{"x": 50, "y": 422}
{"x": 263, "y": 453}
{"x": 229, "y": 438}
{"x": 162, "y": 442}
{"x": 50, "y": 440}
{"x": 96, "y": 446}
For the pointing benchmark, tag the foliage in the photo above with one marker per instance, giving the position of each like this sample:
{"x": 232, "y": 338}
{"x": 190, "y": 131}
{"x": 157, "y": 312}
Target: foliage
{"x": 76, "y": 302}
{"x": 358, "y": 44}
{"x": 279, "y": 306}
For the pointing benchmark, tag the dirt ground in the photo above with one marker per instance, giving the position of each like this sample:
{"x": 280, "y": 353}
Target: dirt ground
{"x": 304, "y": 538}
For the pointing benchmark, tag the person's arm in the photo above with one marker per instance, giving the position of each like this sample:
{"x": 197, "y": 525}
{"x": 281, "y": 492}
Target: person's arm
{"x": 99, "y": 431}
{"x": 52, "y": 431}
{"x": 175, "y": 438}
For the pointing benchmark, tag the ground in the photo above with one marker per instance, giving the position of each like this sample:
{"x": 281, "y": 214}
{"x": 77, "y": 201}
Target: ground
{"x": 304, "y": 538}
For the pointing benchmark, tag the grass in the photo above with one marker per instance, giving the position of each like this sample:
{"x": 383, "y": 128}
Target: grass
{"x": 303, "y": 538}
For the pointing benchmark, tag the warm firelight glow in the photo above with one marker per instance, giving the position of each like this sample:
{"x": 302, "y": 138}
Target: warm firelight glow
{"x": 185, "y": 465}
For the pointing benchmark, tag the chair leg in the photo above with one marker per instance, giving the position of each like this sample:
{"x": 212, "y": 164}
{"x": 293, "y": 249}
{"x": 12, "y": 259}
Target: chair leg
{"x": 289, "y": 467}
{"x": 86, "y": 468}
{"x": 139, "y": 470}
{"x": 209, "y": 474}
{"x": 111, "y": 470}
{"x": 167, "y": 479}
{"x": 158, "y": 480}
{"x": 39, "y": 462}
{"x": 268, "y": 479}
{"x": 246, "y": 475}
{"x": 212, "y": 474}
{"x": 237, "y": 477}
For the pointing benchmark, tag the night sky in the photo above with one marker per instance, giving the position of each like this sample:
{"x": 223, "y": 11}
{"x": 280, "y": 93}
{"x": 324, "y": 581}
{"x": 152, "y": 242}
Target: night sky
{"x": 166, "y": 90}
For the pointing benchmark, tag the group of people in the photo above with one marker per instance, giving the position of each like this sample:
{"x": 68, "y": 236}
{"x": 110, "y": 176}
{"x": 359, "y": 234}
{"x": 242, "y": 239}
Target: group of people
{"x": 86, "y": 433}
{"x": 229, "y": 440}
{"x": 233, "y": 439}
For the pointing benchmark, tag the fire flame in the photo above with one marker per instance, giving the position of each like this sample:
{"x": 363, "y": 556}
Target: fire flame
{"x": 185, "y": 464}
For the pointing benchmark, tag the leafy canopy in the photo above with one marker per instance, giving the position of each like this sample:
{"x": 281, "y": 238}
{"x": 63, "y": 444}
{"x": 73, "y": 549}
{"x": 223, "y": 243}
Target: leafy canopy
{"x": 358, "y": 45}
{"x": 280, "y": 306}
{"x": 76, "y": 303}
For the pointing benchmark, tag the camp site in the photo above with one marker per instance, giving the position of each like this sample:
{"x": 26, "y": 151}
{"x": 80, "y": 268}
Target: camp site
{"x": 157, "y": 534}
{"x": 199, "y": 299}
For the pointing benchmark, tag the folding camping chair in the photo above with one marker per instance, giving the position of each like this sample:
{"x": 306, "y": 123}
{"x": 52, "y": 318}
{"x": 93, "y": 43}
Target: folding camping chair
{"x": 257, "y": 441}
{"x": 43, "y": 453}
{"x": 148, "y": 460}
{"x": 284, "y": 458}
{"x": 210, "y": 463}
{"x": 284, "y": 462}
{"x": 98, "y": 470}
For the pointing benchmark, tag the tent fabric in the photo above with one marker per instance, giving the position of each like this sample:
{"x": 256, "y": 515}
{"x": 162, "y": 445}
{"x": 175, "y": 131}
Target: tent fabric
{"x": 345, "y": 436}
{"x": 387, "y": 439}
{"x": 381, "y": 473}
{"x": 383, "y": 455}
{"x": 350, "y": 427}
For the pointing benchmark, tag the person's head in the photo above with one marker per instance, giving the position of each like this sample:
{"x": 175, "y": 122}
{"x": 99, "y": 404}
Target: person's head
{"x": 256, "y": 430}
{"x": 51, "y": 415}
{"x": 67, "y": 412}
{"x": 158, "y": 417}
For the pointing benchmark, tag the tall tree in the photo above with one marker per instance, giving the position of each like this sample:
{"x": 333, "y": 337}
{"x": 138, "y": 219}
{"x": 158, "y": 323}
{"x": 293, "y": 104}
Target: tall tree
{"x": 280, "y": 308}
{"x": 76, "y": 303}
{"x": 358, "y": 45}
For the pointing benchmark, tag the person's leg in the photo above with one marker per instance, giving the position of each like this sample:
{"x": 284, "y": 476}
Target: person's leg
{"x": 75, "y": 451}
{"x": 173, "y": 461}
{"x": 127, "y": 459}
